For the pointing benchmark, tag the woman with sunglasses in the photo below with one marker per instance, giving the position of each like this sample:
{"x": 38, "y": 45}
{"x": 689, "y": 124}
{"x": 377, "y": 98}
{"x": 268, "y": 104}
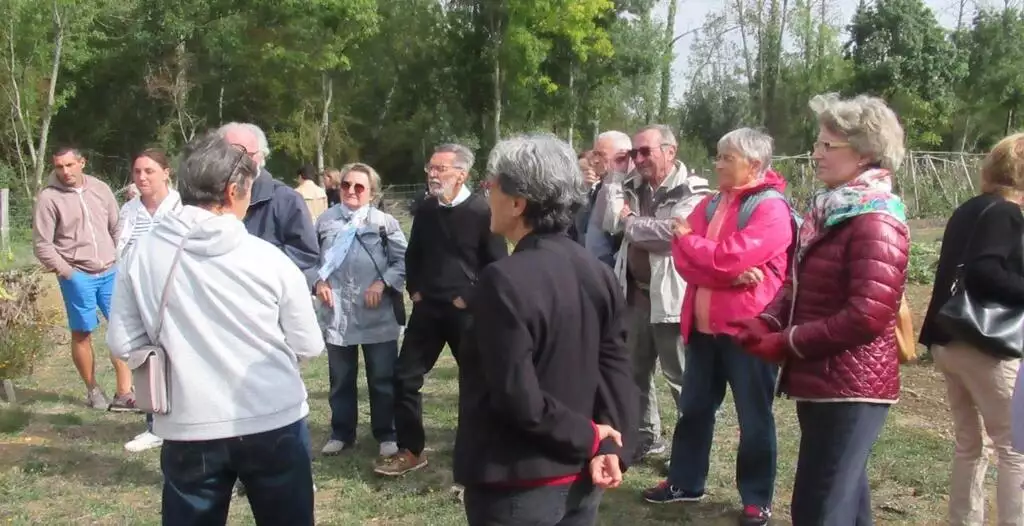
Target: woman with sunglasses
{"x": 362, "y": 265}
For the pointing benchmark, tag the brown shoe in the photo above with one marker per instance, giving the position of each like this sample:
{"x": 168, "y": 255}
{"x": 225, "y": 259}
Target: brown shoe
{"x": 400, "y": 463}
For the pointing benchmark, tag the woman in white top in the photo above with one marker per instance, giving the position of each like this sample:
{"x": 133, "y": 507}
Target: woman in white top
{"x": 151, "y": 176}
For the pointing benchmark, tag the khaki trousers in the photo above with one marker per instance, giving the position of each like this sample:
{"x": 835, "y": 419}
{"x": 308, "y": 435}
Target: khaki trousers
{"x": 979, "y": 390}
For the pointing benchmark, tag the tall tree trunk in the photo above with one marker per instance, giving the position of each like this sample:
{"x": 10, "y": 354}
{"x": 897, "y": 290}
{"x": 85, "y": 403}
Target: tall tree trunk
{"x": 572, "y": 103}
{"x": 44, "y": 130}
{"x": 327, "y": 91}
{"x": 666, "y": 61}
{"x": 220, "y": 105}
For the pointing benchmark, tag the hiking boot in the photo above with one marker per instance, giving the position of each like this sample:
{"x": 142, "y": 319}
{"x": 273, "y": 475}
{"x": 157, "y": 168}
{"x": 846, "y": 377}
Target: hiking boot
{"x": 400, "y": 463}
{"x": 665, "y": 493}
{"x": 753, "y": 515}
{"x": 96, "y": 399}
{"x": 123, "y": 403}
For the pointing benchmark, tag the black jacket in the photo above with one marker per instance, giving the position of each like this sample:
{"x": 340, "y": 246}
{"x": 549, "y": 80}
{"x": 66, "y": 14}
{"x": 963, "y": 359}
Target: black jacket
{"x": 993, "y": 259}
{"x": 279, "y": 215}
{"x": 545, "y": 356}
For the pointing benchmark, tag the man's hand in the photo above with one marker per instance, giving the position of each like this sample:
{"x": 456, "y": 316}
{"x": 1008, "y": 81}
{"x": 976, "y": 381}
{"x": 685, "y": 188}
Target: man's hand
{"x": 416, "y": 297}
{"x": 751, "y": 276}
{"x": 605, "y": 471}
{"x": 324, "y": 293}
{"x": 459, "y": 304}
{"x": 590, "y": 177}
{"x": 373, "y": 294}
{"x": 625, "y": 212}
{"x": 682, "y": 228}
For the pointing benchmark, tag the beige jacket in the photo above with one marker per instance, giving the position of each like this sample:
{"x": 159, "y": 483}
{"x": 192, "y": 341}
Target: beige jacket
{"x": 75, "y": 228}
{"x": 315, "y": 197}
{"x": 683, "y": 192}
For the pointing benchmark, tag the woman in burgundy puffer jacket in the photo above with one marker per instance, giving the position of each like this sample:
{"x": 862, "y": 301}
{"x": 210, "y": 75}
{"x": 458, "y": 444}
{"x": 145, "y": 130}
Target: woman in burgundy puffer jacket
{"x": 833, "y": 324}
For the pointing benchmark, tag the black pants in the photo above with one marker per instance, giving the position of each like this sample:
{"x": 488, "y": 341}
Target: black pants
{"x": 831, "y": 487}
{"x": 432, "y": 324}
{"x": 566, "y": 505}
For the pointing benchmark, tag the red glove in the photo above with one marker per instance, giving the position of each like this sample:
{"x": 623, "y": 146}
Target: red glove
{"x": 750, "y": 330}
{"x": 770, "y": 348}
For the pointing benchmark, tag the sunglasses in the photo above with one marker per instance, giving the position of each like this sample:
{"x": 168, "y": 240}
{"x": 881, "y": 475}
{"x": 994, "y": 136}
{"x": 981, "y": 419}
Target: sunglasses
{"x": 357, "y": 188}
{"x": 242, "y": 154}
{"x": 644, "y": 151}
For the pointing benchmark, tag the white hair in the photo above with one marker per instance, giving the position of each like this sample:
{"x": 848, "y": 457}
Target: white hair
{"x": 261, "y": 138}
{"x": 752, "y": 144}
{"x": 667, "y": 137}
{"x": 464, "y": 157}
{"x": 619, "y": 139}
{"x": 868, "y": 123}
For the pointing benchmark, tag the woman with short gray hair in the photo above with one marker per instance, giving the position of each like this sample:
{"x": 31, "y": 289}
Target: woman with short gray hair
{"x": 733, "y": 253}
{"x": 530, "y": 438}
{"x": 361, "y": 278}
{"x": 235, "y": 318}
{"x": 833, "y": 327}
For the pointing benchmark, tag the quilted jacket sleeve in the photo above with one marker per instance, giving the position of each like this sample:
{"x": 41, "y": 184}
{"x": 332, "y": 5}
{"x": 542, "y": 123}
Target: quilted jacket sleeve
{"x": 877, "y": 256}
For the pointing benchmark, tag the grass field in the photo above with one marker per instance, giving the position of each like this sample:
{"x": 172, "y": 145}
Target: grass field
{"x": 61, "y": 463}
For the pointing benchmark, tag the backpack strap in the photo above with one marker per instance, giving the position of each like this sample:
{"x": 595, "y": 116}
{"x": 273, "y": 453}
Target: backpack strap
{"x": 751, "y": 201}
{"x": 709, "y": 211}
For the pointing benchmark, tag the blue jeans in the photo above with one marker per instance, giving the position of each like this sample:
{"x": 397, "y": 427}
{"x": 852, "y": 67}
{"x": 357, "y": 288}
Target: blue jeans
{"x": 83, "y": 293}
{"x": 274, "y": 466}
{"x": 380, "y": 361}
{"x": 711, "y": 363}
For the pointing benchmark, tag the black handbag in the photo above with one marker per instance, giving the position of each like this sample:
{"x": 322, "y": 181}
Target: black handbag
{"x": 991, "y": 327}
{"x": 397, "y": 297}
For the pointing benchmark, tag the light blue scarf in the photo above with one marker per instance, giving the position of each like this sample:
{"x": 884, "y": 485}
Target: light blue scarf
{"x": 353, "y": 221}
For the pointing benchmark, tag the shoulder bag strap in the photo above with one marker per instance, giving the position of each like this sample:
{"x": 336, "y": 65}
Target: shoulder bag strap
{"x": 974, "y": 230}
{"x": 383, "y": 236}
{"x": 167, "y": 291}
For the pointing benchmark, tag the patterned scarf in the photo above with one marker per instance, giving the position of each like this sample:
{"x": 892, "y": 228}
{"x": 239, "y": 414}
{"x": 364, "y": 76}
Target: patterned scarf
{"x": 868, "y": 193}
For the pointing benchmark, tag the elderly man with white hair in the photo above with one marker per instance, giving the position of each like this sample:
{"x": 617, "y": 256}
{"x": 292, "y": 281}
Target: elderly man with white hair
{"x": 611, "y": 156}
{"x": 644, "y": 208}
{"x": 277, "y": 213}
{"x": 733, "y": 253}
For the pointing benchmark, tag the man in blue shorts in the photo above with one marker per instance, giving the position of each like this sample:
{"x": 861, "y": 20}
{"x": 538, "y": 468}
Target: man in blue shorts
{"x": 74, "y": 234}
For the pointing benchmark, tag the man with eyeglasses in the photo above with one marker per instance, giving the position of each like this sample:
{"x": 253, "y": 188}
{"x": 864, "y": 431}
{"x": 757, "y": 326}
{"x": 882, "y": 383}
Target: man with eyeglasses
{"x": 611, "y": 153}
{"x": 644, "y": 208}
{"x": 450, "y": 243}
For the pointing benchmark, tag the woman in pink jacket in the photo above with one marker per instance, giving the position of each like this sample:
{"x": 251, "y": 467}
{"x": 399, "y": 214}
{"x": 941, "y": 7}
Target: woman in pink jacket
{"x": 733, "y": 253}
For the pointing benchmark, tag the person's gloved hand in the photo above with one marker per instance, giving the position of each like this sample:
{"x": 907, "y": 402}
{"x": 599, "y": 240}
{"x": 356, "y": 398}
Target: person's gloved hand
{"x": 750, "y": 330}
{"x": 770, "y": 348}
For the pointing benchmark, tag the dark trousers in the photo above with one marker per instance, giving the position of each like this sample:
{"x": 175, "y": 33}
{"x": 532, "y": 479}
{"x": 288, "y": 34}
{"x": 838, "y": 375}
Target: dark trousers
{"x": 831, "y": 487}
{"x": 380, "y": 360}
{"x": 565, "y": 505}
{"x": 432, "y": 324}
{"x": 275, "y": 467}
{"x": 711, "y": 363}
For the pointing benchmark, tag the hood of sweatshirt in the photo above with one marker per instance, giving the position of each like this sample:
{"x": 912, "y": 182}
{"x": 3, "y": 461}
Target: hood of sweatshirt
{"x": 208, "y": 234}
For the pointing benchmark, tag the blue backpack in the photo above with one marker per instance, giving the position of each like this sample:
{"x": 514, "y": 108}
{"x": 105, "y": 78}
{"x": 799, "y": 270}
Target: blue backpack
{"x": 747, "y": 206}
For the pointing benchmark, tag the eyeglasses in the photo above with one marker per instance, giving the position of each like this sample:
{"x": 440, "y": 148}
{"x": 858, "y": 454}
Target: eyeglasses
{"x": 430, "y": 168}
{"x": 644, "y": 151}
{"x": 828, "y": 146}
{"x": 242, "y": 153}
{"x": 357, "y": 188}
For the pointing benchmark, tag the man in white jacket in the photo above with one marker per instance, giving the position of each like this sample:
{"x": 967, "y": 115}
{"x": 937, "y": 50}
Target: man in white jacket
{"x": 238, "y": 319}
{"x": 644, "y": 208}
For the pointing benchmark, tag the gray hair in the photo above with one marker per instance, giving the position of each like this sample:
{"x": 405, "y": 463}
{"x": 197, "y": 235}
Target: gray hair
{"x": 667, "y": 137}
{"x": 543, "y": 170}
{"x": 868, "y": 123}
{"x": 754, "y": 145}
{"x": 621, "y": 140}
{"x": 261, "y": 138}
{"x": 371, "y": 175}
{"x": 209, "y": 164}
{"x": 464, "y": 157}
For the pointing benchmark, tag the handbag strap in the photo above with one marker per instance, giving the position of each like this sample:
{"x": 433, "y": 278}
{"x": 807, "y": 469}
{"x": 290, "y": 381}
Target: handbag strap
{"x": 167, "y": 290}
{"x": 974, "y": 230}
{"x": 383, "y": 237}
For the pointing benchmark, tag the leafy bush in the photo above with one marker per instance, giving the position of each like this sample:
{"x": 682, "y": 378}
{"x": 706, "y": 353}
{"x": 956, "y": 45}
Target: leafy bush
{"x": 23, "y": 325}
{"x": 924, "y": 259}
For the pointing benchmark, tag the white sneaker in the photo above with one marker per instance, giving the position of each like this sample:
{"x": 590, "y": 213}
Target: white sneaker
{"x": 333, "y": 447}
{"x": 388, "y": 449}
{"x": 143, "y": 442}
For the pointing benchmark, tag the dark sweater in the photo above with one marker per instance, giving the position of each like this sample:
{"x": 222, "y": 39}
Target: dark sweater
{"x": 448, "y": 247}
{"x": 993, "y": 260}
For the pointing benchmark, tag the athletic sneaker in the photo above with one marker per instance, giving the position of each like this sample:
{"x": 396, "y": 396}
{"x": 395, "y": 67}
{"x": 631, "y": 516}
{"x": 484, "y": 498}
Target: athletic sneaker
{"x": 144, "y": 441}
{"x": 123, "y": 403}
{"x": 96, "y": 399}
{"x": 388, "y": 448}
